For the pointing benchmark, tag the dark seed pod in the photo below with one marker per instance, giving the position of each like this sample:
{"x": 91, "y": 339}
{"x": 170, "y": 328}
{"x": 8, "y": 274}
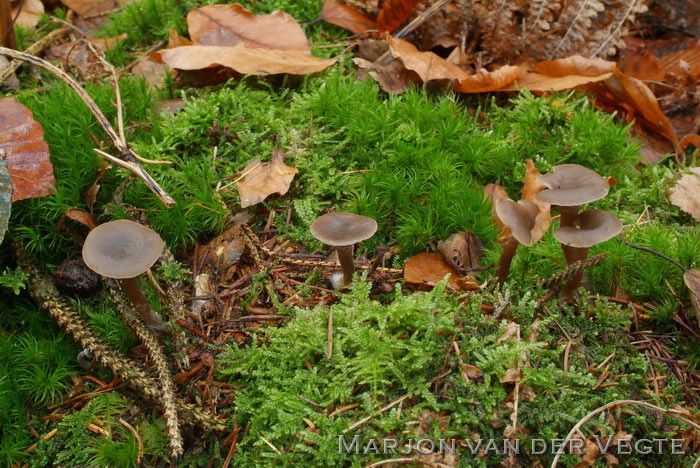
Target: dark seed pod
{"x": 74, "y": 277}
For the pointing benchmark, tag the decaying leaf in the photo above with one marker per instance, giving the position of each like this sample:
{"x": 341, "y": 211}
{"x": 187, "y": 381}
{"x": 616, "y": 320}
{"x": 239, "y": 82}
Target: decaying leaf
{"x": 395, "y": 12}
{"x": 574, "y": 65}
{"x": 431, "y": 268}
{"x": 231, "y": 36}
{"x": 225, "y": 250}
{"x": 512, "y": 330}
{"x": 531, "y": 187}
{"x": 461, "y": 250}
{"x": 512, "y": 376}
{"x": 30, "y": 14}
{"x": 263, "y": 179}
{"x": 393, "y": 78}
{"x": 93, "y": 7}
{"x": 590, "y": 453}
{"x": 5, "y": 198}
{"x": 347, "y": 16}
{"x": 25, "y": 151}
{"x": 692, "y": 281}
{"x": 485, "y": 80}
{"x": 79, "y": 53}
{"x": 495, "y": 192}
{"x": 686, "y": 193}
{"x": 243, "y": 59}
{"x": 544, "y": 83}
{"x": 230, "y": 25}
{"x": 427, "y": 65}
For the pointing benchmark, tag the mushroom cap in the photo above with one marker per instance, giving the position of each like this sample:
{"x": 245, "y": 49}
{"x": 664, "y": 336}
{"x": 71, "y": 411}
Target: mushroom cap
{"x": 340, "y": 228}
{"x": 121, "y": 249}
{"x": 572, "y": 185}
{"x": 518, "y": 217}
{"x": 595, "y": 226}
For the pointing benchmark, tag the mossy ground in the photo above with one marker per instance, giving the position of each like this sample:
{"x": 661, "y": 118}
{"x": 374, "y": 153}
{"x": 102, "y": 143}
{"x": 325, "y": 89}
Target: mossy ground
{"x": 416, "y": 163}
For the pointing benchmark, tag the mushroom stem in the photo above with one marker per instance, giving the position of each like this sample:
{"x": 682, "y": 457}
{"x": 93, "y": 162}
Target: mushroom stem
{"x": 131, "y": 288}
{"x": 506, "y": 258}
{"x": 567, "y": 218}
{"x": 346, "y": 262}
{"x": 569, "y": 290}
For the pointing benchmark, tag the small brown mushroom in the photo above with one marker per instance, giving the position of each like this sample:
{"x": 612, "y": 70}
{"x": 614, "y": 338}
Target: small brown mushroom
{"x": 519, "y": 217}
{"x": 569, "y": 187}
{"x": 590, "y": 228}
{"x": 124, "y": 250}
{"x": 343, "y": 230}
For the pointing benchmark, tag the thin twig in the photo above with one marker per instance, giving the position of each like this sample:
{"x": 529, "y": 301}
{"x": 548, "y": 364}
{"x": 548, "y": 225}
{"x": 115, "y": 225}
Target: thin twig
{"x": 38, "y": 46}
{"x": 129, "y": 156}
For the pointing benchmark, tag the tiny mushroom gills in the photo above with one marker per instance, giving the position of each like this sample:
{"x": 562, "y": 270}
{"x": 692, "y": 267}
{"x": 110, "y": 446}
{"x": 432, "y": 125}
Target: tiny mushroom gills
{"x": 519, "y": 218}
{"x": 343, "y": 230}
{"x": 124, "y": 250}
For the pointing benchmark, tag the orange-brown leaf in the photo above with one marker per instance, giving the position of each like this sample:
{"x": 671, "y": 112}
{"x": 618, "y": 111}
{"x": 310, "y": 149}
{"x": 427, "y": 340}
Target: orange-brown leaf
{"x": 639, "y": 97}
{"x": 26, "y": 152}
{"x": 485, "y": 80}
{"x": 427, "y": 65}
{"x": 263, "y": 179}
{"x": 395, "y": 12}
{"x": 30, "y": 14}
{"x": 431, "y": 268}
{"x": 230, "y": 25}
{"x": 84, "y": 218}
{"x": 692, "y": 280}
{"x": 575, "y": 65}
{"x": 347, "y": 16}
{"x": 495, "y": 192}
{"x": 245, "y": 60}
{"x": 531, "y": 187}
{"x": 686, "y": 193}
{"x": 93, "y": 7}
{"x": 688, "y": 140}
{"x": 544, "y": 83}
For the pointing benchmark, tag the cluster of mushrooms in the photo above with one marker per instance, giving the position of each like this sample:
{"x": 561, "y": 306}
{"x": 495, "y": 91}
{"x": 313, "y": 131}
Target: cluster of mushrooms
{"x": 569, "y": 187}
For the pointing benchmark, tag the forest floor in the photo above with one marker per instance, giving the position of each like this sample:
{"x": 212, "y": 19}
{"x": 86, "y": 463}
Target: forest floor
{"x": 266, "y": 361}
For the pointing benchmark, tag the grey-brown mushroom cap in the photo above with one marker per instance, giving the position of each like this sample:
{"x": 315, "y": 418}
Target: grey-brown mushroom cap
{"x": 572, "y": 185}
{"x": 340, "y": 228}
{"x": 121, "y": 249}
{"x": 595, "y": 226}
{"x": 518, "y": 217}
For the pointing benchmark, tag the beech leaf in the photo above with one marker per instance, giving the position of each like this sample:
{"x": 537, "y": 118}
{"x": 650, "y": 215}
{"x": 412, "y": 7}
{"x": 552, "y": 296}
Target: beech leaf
{"x": 574, "y": 65}
{"x": 230, "y": 25}
{"x": 531, "y": 187}
{"x": 692, "y": 281}
{"x": 543, "y": 83}
{"x": 263, "y": 179}
{"x": 427, "y": 65}
{"x": 395, "y": 12}
{"x": 30, "y": 14}
{"x": 347, "y": 16}
{"x": 485, "y": 80}
{"x": 431, "y": 268}
{"x": 25, "y": 151}
{"x": 686, "y": 193}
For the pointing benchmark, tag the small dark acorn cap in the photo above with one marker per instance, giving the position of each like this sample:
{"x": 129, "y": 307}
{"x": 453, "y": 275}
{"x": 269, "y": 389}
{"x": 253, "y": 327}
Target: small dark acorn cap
{"x": 572, "y": 185}
{"x": 121, "y": 249}
{"x": 518, "y": 217}
{"x": 340, "y": 228}
{"x": 595, "y": 226}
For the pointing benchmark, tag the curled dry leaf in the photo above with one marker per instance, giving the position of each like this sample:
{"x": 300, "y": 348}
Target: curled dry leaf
{"x": 347, "y": 16}
{"x": 30, "y": 14}
{"x": 686, "y": 193}
{"x": 229, "y": 25}
{"x": 574, "y": 65}
{"x": 25, "y": 151}
{"x": 230, "y": 36}
{"x": 93, "y": 7}
{"x": 395, "y": 12}
{"x": 431, "y": 268}
{"x": 427, "y": 65}
{"x": 531, "y": 187}
{"x": 485, "y": 80}
{"x": 263, "y": 179}
{"x": 243, "y": 60}
{"x": 495, "y": 192}
{"x": 462, "y": 250}
{"x": 512, "y": 376}
{"x": 394, "y": 77}
{"x": 689, "y": 140}
{"x": 544, "y": 83}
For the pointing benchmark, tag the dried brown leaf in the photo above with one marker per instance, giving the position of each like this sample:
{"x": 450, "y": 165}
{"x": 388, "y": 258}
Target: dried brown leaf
{"x": 692, "y": 281}
{"x": 175, "y": 40}
{"x": 394, "y": 77}
{"x": 512, "y": 376}
{"x": 93, "y": 7}
{"x": 531, "y": 187}
{"x": 395, "y": 12}
{"x": 688, "y": 140}
{"x": 79, "y": 54}
{"x": 83, "y": 217}
{"x": 430, "y": 268}
{"x": 686, "y": 193}
{"x": 485, "y": 80}
{"x": 263, "y": 179}
{"x": 243, "y": 60}
{"x": 231, "y": 24}
{"x": 30, "y": 14}
{"x": 347, "y": 16}
{"x": 427, "y": 65}
{"x": 544, "y": 83}
{"x": 495, "y": 192}
{"x": 25, "y": 151}
{"x": 512, "y": 330}
{"x": 574, "y": 65}
{"x": 589, "y": 455}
